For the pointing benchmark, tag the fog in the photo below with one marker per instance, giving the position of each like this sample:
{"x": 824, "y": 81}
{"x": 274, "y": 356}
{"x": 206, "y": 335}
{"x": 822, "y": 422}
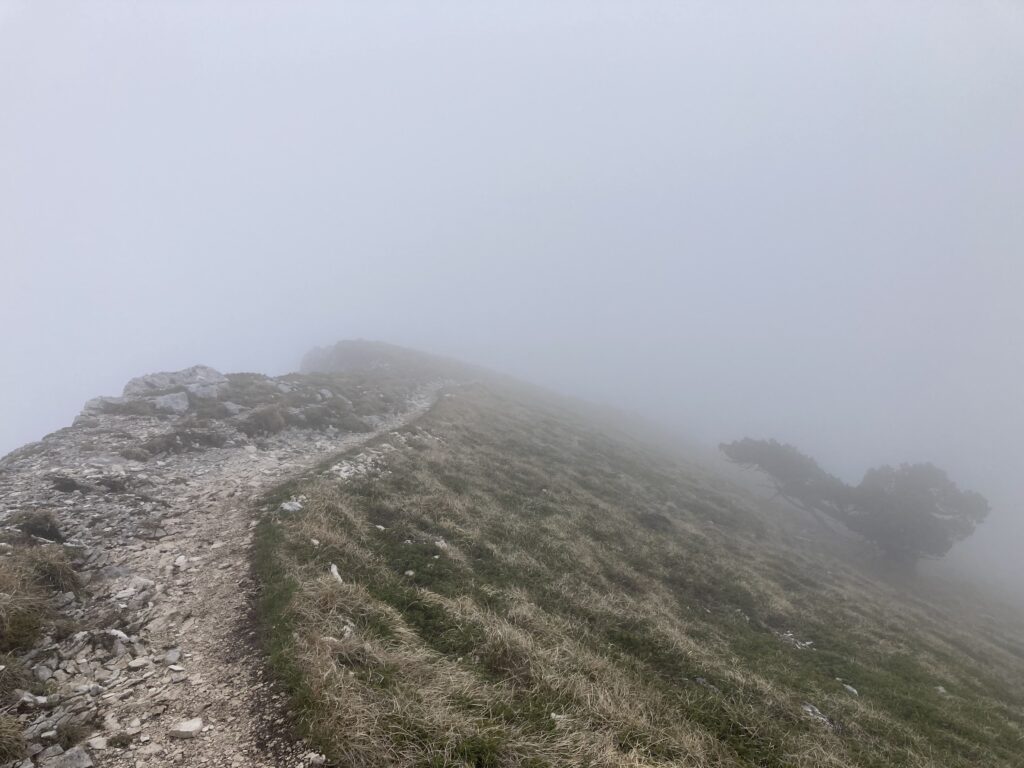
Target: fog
{"x": 795, "y": 220}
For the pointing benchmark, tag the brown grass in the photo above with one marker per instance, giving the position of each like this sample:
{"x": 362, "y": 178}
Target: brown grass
{"x": 267, "y": 420}
{"x": 12, "y": 747}
{"x": 27, "y": 577}
{"x": 22, "y": 606}
{"x": 50, "y": 568}
{"x": 12, "y": 678}
{"x": 545, "y": 593}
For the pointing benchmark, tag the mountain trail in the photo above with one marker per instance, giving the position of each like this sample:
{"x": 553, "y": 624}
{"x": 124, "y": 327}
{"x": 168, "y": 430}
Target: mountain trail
{"x": 159, "y": 666}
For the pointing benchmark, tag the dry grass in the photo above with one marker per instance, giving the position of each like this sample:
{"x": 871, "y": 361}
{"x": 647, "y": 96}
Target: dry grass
{"x": 13, "y": 677}
{"x": 49, "y": 567}
{"x": 27, "y": 577}
{"x": 12, "y": 747}
{"x": 22, "y": 605}
{"x": 523, "y": 589}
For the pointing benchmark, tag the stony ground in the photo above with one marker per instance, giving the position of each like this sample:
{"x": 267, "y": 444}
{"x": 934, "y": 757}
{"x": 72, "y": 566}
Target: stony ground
{"x": 152, "y": 662}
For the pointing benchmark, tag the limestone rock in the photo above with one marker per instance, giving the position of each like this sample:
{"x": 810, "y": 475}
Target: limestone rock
{"x": 187, "y": 729}
{"x": 154, "y": 382}
{"x": 76, "y": 757}
{"x": 176, "y": 402}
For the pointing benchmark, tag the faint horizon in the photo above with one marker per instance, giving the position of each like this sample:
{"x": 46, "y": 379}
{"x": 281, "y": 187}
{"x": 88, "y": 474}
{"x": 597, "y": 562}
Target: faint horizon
{"x": 799, "y": 221}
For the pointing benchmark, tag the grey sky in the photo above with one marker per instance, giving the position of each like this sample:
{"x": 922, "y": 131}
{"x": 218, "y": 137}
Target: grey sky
{"x": 800, "y": 220}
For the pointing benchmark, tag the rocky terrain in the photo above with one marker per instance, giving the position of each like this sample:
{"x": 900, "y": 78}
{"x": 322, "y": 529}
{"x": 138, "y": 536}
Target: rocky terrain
{"x": 389, "y": 559}
{"x": 144, "y": 653}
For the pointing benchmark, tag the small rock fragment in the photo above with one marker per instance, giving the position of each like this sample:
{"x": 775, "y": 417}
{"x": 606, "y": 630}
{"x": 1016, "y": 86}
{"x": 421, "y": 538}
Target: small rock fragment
{"x": 187, "y": 729}
{"x": 76, "y": 757}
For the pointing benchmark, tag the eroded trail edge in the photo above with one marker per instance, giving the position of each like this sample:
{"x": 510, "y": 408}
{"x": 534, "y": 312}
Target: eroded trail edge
{"x": 158, "y": 667}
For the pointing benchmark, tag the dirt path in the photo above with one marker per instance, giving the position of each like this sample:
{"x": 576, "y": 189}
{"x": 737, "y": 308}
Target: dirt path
{"x": 165, "y": 551}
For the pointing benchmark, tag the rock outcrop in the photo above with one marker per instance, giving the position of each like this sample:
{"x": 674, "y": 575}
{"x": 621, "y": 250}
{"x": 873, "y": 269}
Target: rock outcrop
{"x": 147, "y": 660}
{"x": 199, "y": 380}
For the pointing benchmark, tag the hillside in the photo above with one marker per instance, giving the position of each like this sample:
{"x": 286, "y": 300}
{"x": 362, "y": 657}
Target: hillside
{"x": 392, "y": 559}
{"x": 501, "y": 583}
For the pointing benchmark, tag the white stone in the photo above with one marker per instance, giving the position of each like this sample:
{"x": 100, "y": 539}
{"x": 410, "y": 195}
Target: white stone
{"x": 76, "y": 757}
{"x": 196, "y": 375}
{"x": 173, "y": 403}
{"x": 206, "y": 391}
{"x": 187, "y": 729}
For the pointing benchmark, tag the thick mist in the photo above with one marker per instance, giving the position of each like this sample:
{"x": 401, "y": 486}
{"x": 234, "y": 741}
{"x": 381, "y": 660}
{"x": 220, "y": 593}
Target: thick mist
{"x": 795, "y": 220}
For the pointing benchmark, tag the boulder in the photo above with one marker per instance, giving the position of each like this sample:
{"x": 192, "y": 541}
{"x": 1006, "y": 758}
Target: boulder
{"x": 173, "y": 403}
{"x": 101, "y": 405}
{"x": 155, "y": 382}
{"x": 207, "y": 391}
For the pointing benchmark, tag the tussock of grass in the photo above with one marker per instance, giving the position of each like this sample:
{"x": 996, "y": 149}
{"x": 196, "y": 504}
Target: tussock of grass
{"x": 49, "y": 567}
{"x": 27, "y": 577}
{"x": 12, "y": 678}
{"x": 12, "y": 746}
{"x": 22, "y": 606}
{"x": 543, "y": 594}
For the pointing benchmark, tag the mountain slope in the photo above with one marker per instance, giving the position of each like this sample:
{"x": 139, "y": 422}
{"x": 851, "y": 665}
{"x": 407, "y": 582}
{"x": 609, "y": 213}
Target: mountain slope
{"x": 502, "y": 583}
{"x": 489, "y": 576}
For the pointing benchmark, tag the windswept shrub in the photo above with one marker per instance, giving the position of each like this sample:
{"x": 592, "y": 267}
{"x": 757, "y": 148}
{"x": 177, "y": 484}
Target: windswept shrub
{"x": 184, "y": 440}
{"x": 268, "y": 420}
{"x": 66, "y": 484}
{"x": 352, "y": 423}
{"x": 41, "y": 523}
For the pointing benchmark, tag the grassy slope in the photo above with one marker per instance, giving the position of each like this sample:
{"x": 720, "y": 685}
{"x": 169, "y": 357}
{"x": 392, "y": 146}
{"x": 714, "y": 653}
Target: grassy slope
{"x": 576, "y": 600}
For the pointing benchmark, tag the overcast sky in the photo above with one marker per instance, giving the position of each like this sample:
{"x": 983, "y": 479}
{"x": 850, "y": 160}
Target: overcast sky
{"x": 788, "y": 219}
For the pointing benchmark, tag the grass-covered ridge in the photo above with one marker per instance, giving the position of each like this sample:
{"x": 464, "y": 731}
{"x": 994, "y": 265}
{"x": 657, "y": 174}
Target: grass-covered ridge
{"x": 519, "y": 588}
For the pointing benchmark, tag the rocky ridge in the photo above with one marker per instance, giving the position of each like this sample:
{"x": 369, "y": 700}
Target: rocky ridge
{"x": 149, "y": 661}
